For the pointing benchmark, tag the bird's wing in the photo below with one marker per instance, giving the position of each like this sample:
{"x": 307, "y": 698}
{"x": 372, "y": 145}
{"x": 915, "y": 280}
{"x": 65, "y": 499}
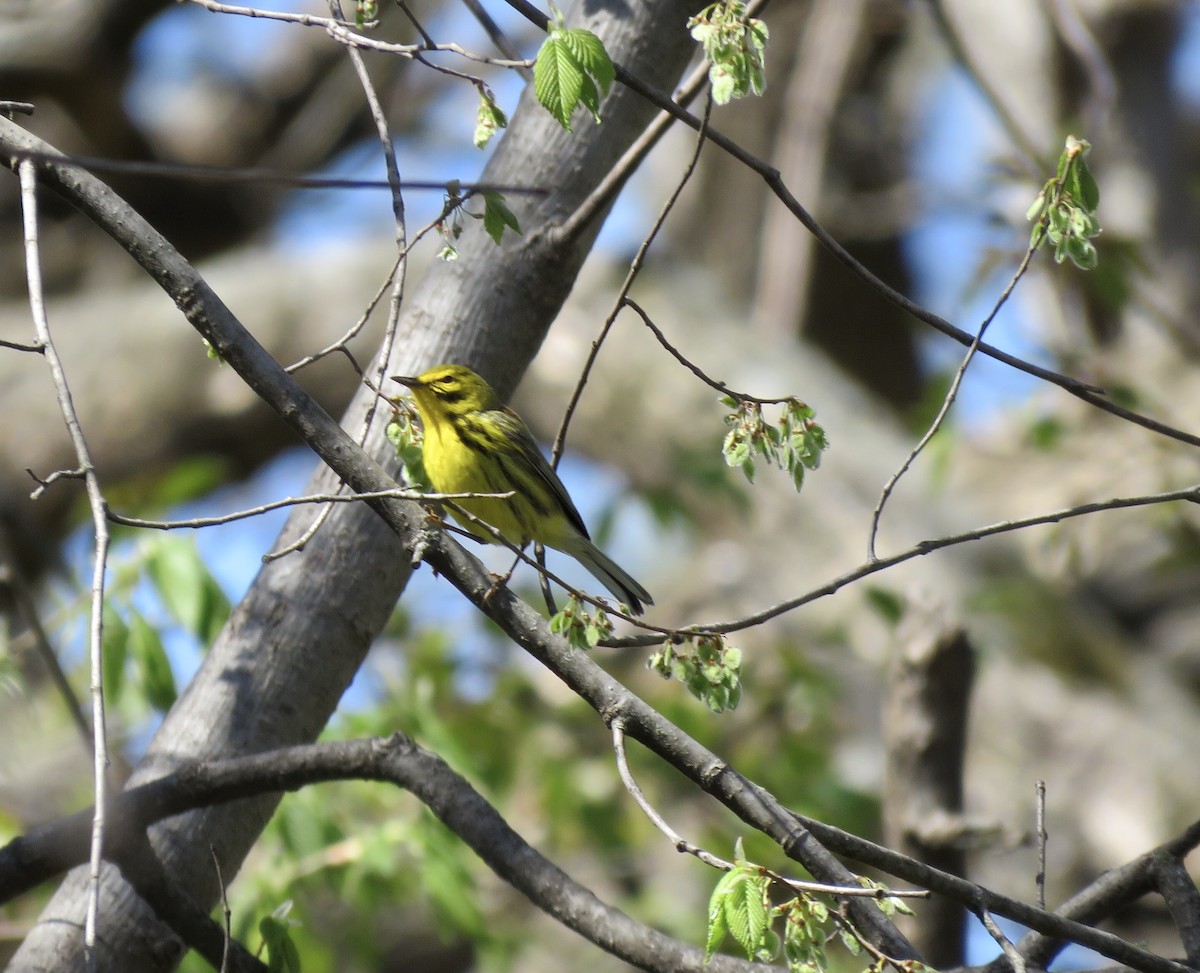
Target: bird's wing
{"x": 515, "y": 426}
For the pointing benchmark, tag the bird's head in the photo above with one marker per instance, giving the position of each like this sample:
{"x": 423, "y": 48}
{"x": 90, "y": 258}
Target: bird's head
{"x": 451, "y": 389}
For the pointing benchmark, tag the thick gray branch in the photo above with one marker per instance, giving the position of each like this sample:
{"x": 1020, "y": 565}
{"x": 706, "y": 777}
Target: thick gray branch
{"x": 398, "y": 761}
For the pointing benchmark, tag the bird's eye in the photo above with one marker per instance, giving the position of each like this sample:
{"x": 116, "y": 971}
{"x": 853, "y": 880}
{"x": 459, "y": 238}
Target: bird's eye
{"x": 449, "y": 381}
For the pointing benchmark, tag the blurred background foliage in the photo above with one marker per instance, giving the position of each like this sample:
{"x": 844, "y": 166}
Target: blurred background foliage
{"x": 918, "y": 133}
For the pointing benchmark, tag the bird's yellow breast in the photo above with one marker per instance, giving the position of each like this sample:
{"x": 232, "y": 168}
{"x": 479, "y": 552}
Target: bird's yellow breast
{"x": 455, "y": 467}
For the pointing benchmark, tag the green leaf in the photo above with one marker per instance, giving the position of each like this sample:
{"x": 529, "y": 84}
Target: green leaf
{"x": 886, "y": 602}
{"x": 1089, "y": 192}
{"x": 1038, "y": 205}
{"x": 850, "y": 941}
{"x": 1082, "y": 253}
{"x": 557, "y": 79}
{"x": 572, "y": 68}
{"x": 718, "y": 928}
{"x": 591, "y": 57}
{"x": 497, "y": 216}
{"x": 282, "y": 955}
{"x": 187, "y": 588}
{"x": 146, "y": 650}
{"x": 746, "y": 914}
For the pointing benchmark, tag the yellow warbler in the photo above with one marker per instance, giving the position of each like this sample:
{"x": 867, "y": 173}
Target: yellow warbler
{"x": 473, "y": 444}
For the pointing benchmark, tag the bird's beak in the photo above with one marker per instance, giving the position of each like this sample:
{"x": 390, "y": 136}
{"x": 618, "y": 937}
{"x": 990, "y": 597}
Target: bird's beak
{"x": 411, "y": 382}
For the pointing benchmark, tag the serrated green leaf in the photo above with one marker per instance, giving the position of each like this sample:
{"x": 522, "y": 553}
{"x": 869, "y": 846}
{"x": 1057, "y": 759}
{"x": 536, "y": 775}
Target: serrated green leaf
{"x": 154, "y": 668}
{"x": 745, "y": 910}
{"x": 557, "y": 79}
{"x": 591, "y": 56}
{"x": 497, "y": 216}
{"x": 589, "y": 97}
{"x": 718, "y": 928}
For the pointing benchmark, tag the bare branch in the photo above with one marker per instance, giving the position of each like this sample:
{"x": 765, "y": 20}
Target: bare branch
{"x": 630, "y": 276}
{"x": 1011, "y": 953}
{"x": 1042, "y": 838}
{"x": 46, "y": 851}
{"x": 197, "y": 522}
{"x": 340, "y": 31}
{"x": 949, "y": 398}
{"x": 98, "y": 506}
{"x": 1190, "y": 494}
{"x": 683, "y": 845}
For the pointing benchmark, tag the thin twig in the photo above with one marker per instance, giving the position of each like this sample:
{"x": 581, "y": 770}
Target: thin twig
{"x": 1011, "y": 953}
{"x": 496, "y": 35}
{"x": 692, "y": 367}
{"x": 341, "y": 31}
{"x": 397, "y": 276}
{"x": 1040, "y": 879}
{"x": 225, "y": 910}
{"x": 254, "y": 175}
{"x": 1190, "y": 494}
{"x": 19, "y": 346}
{"x": 635, "y": 267}
{"x": 454, "y": 202}
{"x": 352, "y": 332}
{"x": 197, "y": 522}
{"x": 682, "y": 845}
{"x": 97, "y": 504}
{"x": 43, "y": 484}
{"x": 948, "y": 400}
{"x": 875, "y": 952}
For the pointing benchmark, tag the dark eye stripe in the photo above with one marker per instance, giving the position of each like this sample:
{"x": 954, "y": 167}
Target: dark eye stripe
{"x": 454, "y": 395}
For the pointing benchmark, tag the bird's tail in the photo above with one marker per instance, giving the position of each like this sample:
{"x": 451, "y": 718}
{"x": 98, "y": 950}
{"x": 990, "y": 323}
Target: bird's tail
{"x": 610, "y": 574}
